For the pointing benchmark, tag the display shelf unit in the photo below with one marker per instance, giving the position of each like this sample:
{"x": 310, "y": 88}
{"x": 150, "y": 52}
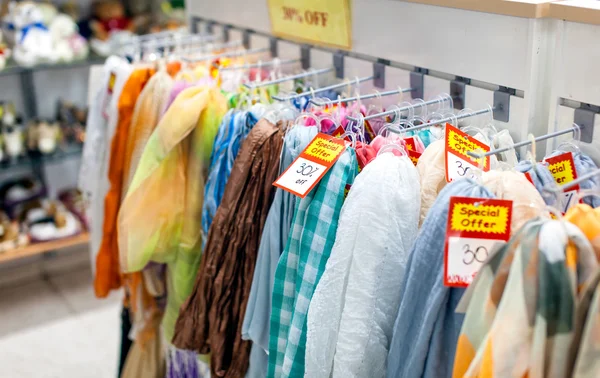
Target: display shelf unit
{"x": 44, "y": 247}
{"x": 62, "y": 152}
{"x": 12, "y": 68}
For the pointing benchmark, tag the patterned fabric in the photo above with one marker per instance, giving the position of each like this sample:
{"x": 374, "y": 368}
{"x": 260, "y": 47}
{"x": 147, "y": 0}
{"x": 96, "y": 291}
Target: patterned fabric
{"x": 233, "y": 131}
{"x": 159, "y": 219}
{"x": 586, "y": 346}
{"x": 211, "y": 318}
{"x": 302, "y": 264}
{"x": 185, "y": 364}
{"x": 541, "y": 270}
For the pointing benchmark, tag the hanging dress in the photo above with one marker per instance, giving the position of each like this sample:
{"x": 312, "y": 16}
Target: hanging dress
{"x": 530, "y": 285}
{"x": 159, "y": 219}
{"x": 100, "y": 128}
{"x": 272, "y": 243}
{"x": 211, "y": 318}
{"x": 427, "y": 328}
{"x": 302, "y": 264}
{"x": 352, "y": 313}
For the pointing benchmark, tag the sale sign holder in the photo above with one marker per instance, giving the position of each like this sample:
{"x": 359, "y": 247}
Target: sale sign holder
{"x": 320, "y": 22}
{"x": 474, "y": 226}
{"x": 563, "y": 170}
{"x": 311, "y": 165}
{"x": 458, "y": 162}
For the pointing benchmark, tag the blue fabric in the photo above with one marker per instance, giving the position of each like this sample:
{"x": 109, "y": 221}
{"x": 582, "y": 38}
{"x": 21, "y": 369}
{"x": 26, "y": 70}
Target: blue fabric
{"x": 272, "y": 243}
{"x": 27, "y": 28}
{"x": 541, "y": 177}
{"x": 301, "y": 103}
{"x": 427, "y": 327}
{"x": 584, "y": 165}
{"x": 234, "y": 128}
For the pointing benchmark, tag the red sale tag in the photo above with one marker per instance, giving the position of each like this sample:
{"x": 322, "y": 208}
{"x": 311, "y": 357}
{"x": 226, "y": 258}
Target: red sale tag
{"x": 474, "y": 226}
{"x": 528, "y": 177}
{"x": 458, "y": 163}
{"x": 311, "y": 165}
{"x": 339, "y": 132}
{"x": 414, "y": 157}
{"x": 563, "y": 170}
{"x": 411, "y": 143}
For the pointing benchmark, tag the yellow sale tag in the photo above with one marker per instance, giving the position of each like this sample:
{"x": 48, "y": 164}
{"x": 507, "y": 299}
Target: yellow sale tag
{"x": 311, "y": 165}
{"x": 489, "y": 219}
{"x": 321, "y": 22}
{"x": 563, "y": 170}
{"x": 474, "y": 227}
{"x": 458, "y": 163}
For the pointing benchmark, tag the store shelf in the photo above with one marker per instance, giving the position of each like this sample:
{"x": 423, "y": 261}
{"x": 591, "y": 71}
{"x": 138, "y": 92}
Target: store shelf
{"x": 62, "y": 153}
{"x": 516, "y": 8}
{"x": 41, "y": 248}
{"x": 12, "y": 68}
{"x": 582, "y": 11}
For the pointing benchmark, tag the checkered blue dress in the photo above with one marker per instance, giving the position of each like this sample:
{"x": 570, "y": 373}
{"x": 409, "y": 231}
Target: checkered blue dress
{"x": 302, "y": 264}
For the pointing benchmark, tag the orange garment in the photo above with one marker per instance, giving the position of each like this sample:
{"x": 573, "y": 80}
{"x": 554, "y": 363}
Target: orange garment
{"x": 588, "y": 221}
{"x": 108, "y": 276}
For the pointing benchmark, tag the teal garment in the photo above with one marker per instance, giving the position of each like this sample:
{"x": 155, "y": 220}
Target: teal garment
{"x": 302, "y": 264}
{"x": 425, "y": 135}
{"x": 272, "y": 243}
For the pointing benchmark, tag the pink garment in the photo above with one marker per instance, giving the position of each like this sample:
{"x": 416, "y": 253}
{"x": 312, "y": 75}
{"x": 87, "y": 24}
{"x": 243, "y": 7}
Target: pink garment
{"x": 366, "y": 153}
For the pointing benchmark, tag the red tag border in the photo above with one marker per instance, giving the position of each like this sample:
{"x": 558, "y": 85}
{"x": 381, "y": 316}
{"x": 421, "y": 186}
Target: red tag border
{"x": 472, "y": 234}
{"x": 465, "y": 157}
{"x": 327, "y": 164}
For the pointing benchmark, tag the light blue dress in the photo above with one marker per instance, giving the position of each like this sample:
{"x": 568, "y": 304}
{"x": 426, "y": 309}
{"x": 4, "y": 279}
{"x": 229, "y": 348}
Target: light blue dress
{"x": 273, "y": 240}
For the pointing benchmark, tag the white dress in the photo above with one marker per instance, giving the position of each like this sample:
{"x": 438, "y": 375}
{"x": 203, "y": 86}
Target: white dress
{"x": 100, "y": 129}
{"x": 352, "y": 313}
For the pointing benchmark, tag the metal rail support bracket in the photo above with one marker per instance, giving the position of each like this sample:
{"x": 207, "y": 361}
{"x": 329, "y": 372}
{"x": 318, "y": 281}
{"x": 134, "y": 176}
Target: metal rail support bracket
{"x": 584, "y": 117}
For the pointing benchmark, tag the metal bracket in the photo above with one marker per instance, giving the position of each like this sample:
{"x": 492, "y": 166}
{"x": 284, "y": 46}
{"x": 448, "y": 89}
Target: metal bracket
{"x": 501, "y": 110}
{"x": 305, "y": 56}
{"x": 226, "y": 29}
{"x": 417, "y": 81}
{"x": 273, "y": 47}
{"x": 379, "y": 74}
{"x": 210, "y": 27}
{"x": 194, "y": 21}
{"x": 338, "y": 64}
{"x": 584, "y": 118}
{"x": 458, "y": 88}
{"x": 246, "y": 38}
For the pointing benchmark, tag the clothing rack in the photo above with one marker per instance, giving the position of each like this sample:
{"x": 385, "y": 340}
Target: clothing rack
{"x": 287, "y": 78}
{"x": 523, "y": 143}
{"x": 359, "y": 98}
{"x": 323, "y": 89}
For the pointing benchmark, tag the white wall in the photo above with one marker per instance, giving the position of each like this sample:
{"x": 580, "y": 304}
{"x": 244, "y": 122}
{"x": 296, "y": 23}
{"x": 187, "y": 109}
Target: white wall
{"x": 492, "y": 50}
